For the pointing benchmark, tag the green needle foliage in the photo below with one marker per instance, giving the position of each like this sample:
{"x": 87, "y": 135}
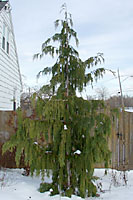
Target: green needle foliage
{"x": 66, "y": 134}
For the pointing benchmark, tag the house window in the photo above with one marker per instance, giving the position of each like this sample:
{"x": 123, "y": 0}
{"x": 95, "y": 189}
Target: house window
{"x": 3, "y": 42}
{"x": 3, "y": 37}
{"x": 7, "y": 42}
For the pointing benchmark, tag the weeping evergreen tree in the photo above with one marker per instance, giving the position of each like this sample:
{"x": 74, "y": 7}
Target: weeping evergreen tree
{"x": 65, "y": 134}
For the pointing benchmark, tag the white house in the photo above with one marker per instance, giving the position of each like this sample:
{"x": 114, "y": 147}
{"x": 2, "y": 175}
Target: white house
{"x": 10, "y": 77}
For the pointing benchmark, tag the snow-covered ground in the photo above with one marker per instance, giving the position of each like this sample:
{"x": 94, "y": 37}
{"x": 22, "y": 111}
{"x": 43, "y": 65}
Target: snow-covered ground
{"x": 15, "y": 186}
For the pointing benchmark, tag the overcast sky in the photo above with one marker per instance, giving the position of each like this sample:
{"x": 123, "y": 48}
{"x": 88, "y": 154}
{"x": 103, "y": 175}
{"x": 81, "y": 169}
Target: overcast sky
{"x": 104, "y": 26}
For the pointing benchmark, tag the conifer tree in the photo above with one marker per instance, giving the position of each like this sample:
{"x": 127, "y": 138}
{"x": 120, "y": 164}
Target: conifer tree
{"x": 65, "y": 134}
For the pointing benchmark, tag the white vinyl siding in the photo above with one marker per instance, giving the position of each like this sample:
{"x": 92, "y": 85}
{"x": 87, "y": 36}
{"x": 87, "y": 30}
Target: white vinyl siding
{"x": 10, "y": 78}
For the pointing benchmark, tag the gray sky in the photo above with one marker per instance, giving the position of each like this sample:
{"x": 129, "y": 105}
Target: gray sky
{"x": 104, "y": 26}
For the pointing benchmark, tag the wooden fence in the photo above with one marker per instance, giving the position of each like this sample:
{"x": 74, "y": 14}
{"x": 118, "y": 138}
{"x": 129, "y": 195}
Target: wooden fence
{"x": 120, "y": 141}
{"x": 7, "y": 128}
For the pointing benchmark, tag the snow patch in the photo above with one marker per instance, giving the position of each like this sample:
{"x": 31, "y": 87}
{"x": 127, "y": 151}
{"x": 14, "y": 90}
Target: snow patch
{"x": 77, "y": 152}
{"x": 19, "y": 187}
